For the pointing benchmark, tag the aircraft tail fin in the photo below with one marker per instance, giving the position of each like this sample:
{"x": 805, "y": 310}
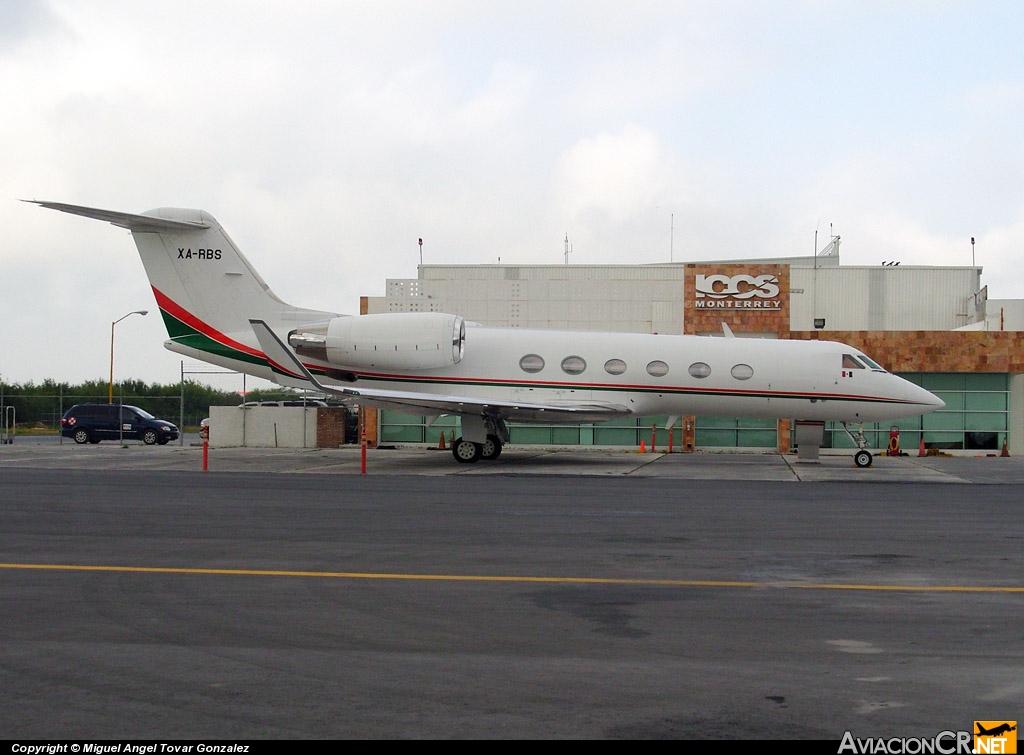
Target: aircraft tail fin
{"x": 205, "y": 287}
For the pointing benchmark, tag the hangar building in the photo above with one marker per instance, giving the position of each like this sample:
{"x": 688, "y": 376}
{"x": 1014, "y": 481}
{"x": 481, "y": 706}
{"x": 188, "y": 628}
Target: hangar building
{"x": 934, "y": 326}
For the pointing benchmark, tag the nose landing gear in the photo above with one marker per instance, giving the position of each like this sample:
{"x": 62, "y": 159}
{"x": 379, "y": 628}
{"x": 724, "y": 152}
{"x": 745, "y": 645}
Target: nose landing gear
{"x": 863, "y": 457}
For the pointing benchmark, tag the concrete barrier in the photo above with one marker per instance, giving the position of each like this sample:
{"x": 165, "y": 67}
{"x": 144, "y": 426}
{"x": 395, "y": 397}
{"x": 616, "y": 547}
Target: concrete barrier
{"x": 263, "y": 426}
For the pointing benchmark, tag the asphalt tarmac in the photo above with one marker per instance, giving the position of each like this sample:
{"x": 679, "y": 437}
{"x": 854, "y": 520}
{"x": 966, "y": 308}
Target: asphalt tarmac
{"x": 418, "y": 460}
{"x": 553, "y": 593}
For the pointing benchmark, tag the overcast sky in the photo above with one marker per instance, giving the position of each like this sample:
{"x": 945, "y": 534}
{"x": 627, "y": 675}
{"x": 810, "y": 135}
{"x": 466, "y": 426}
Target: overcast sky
{"x": 328, "y": 136}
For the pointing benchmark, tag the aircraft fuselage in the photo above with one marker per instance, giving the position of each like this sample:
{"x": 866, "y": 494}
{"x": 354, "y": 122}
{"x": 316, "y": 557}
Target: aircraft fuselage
{"x": 650, "y": 375}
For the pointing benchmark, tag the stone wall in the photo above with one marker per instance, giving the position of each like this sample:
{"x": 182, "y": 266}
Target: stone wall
{"x": 755, "y": 314}
{"x": 933, "y": 350}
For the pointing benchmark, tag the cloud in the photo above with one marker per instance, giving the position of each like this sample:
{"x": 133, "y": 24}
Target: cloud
{"x": 605, "y": 180}
{"x": 328, "y": 137}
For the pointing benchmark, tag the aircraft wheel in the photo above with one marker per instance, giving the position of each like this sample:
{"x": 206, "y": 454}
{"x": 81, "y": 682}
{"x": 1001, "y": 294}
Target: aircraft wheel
{"x": 491, "y": 449}
{"x": 862, "y": 458}
{"x": 465, "y": 451}
{"x": 82, "y": 435}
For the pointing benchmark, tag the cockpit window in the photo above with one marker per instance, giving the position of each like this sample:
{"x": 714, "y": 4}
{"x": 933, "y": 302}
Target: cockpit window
{"x": 850, "y": 362}
{"x": 871, "y": 363}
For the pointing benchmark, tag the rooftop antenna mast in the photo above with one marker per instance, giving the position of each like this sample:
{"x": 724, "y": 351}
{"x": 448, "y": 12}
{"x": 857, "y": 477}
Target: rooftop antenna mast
{"x": 816, "y": 245}
{"x": 568, "y": 249}
{"x": 671, "y": 237}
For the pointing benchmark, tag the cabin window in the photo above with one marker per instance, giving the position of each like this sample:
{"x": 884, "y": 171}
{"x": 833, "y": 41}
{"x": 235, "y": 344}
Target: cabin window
{"x": 657, "y": 368}
{"x": 531, "y": 363}
{"x": 700, "y": 370}
{"x": 742, "y": 372}
{"x": 614, "y": 366}
{"x": 573, "y": 365}
{"x": 850, "y": 362}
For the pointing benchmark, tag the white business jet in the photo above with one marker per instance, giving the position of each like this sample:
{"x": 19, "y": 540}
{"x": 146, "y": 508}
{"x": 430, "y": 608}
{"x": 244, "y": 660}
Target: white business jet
{"x": 218, "y": 309}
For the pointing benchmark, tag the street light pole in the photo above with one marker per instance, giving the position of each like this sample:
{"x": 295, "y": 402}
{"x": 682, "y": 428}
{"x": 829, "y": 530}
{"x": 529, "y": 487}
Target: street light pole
{"x": 143, "y": 312}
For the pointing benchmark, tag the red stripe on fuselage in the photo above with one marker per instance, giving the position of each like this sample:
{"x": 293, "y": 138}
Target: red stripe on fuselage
{"x": 180, "y": 313}
{"x": 619, "y": 387}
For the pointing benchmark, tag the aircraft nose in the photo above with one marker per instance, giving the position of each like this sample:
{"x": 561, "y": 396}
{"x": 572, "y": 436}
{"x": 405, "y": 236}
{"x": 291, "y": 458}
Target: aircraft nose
{"x": 926, "y": 398}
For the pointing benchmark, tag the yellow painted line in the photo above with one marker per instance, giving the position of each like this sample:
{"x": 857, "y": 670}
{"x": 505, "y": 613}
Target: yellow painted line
{"x": 520, "y": 579}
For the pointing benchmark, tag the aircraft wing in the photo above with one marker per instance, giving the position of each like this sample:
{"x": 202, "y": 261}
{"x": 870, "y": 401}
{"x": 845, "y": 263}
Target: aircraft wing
{"x": 291, "y": 372}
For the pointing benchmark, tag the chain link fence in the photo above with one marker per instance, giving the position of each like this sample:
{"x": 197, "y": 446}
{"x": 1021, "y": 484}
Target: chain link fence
{"x": 44, "y": 412}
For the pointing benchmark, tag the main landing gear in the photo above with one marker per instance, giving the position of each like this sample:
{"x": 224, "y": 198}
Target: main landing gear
{"x": 863, "y": 457}
{"x": 468, "y": 452}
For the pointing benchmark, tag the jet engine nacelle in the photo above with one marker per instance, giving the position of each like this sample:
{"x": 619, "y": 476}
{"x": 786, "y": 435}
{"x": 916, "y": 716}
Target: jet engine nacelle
{"x": 393, "y": 341}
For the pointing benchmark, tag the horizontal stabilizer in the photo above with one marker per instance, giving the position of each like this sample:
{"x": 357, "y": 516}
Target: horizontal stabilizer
{"x": 139, "y": 223}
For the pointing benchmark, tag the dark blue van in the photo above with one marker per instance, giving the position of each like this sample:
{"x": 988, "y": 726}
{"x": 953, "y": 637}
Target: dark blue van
{"x": 91, "y": 423}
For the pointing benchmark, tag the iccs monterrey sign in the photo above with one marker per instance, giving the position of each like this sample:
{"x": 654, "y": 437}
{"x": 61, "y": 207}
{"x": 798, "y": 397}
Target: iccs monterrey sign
{"x": 737, "y": 292}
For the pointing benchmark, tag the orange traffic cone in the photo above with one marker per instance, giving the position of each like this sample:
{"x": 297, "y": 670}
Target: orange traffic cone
{"x": 921, "y": 451}
{"x": 643, "y": 448}
{"x": 1006, "y": 451}
{"x": 440, "y": 443}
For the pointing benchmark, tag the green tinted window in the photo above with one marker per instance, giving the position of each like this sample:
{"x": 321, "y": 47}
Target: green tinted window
{"x": 946, "y": 381}
{"x": 987, "y": 382}
{"x": 943, "y": 421}
{"x": 985, "y": 422}
{"x": 985, "y": 402}
{"x": 954, "y": 400}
